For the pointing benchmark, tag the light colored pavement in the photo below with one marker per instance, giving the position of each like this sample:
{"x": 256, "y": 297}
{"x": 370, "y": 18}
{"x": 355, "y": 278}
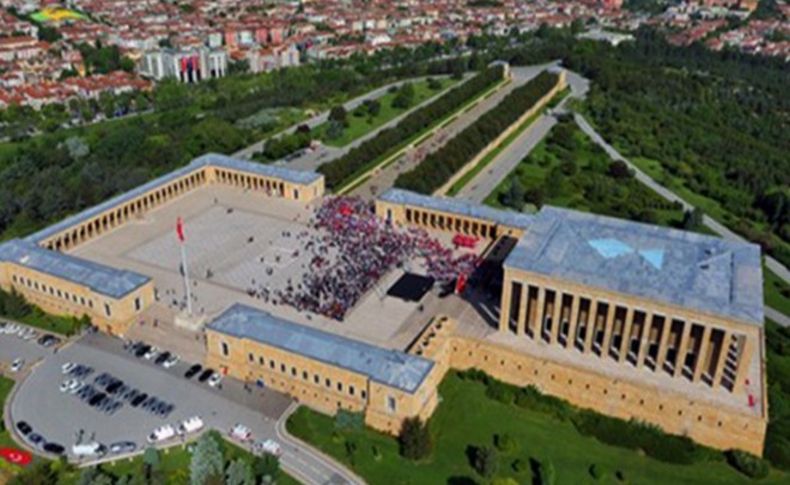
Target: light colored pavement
{"x": 667, "y": 194}
{"x": 485, "y": 182}
{"x": 59, "y": 417}
{"x": 385, "y": 178}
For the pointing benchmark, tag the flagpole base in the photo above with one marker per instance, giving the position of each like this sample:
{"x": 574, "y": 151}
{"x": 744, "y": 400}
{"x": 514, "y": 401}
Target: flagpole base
{"x": 190, "y": 322}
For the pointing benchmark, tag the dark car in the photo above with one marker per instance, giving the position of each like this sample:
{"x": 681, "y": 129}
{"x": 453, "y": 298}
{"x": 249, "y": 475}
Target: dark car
{"x": 48, "y": 340}
{"x": 205, "y": 375}
{"x": 23, "y": 428}
{"x": 97, "y": 399}
{"x": 139, "y": 399}
{"x": 114, "y": 387}
{"x": 122, "y": 447}
{"x": 161, "y": 358}
{"x": 130, "y": 394}
{"x": 36, "y": 439}
{"x": 192, "y": 371}
{"x": 54, "y": 448}
{"x": 102, "y": 379}
{"x": 142, "y": 350}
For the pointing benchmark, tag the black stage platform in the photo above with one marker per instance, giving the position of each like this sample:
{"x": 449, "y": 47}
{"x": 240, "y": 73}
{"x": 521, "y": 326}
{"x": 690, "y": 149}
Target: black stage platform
{"x": 411, "y": 287}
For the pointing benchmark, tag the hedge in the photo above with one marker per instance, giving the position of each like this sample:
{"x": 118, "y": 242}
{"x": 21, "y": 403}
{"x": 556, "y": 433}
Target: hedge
{"x": 441, "y": 165}
{"x": 341, "y": 169}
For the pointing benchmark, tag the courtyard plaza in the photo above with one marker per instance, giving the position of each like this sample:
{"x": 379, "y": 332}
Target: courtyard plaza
{"x": 236, "y": 241}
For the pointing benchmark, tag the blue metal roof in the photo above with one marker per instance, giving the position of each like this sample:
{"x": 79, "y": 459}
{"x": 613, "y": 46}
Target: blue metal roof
{"x": 457, "y": 206}
{"x": 389, "y": 367}
{"x": 682, "y": 268}
{"x": 99, "y": 278}
{"x": 210, "y": 159}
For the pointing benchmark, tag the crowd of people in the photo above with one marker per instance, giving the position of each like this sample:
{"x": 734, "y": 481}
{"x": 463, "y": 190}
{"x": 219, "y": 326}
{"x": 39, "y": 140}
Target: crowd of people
{"x": 351, "y": 250}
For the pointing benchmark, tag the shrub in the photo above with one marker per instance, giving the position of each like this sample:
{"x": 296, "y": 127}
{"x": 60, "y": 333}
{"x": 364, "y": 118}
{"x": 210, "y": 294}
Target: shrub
{"x": 415, "y": 439}
{"x": 485, "y": 461}
{"x": 518, "y": 465}
{"x": 499, "y": 391}
{"x": 750, "y": 465}
{"x": 597, "y": 471}
{"x": 505, "y": 443}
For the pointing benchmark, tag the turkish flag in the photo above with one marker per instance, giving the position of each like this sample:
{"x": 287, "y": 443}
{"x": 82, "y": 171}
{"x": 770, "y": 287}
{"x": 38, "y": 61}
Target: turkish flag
{"x": 16, "y": 457}
{"x": 180, "y": 229}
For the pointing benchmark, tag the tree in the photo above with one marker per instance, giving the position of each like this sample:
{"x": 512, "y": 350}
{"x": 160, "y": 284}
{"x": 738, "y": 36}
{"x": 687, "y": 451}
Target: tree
{"x": 405, "y": 96}
{"x": 239, "y": 472}
{"x": 266, "y": 466}
{"x": 334, "y": 130}
{"x": 415, "y": 439}
{"x": 618, "y": 169}
{"x": 207, "y": 461}
{"x": 692, "y": 220}
{"x": 373, "y": 106}
{"x": 151, "y": 461}
{"x": 339, "y": 114}
{"x": 434, "y": 84}
{"x": 485, "y": 461}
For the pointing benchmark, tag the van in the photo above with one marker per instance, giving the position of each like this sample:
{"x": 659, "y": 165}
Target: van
{"x": 161, "y": 433}
{"x": 93, "y": 448}
{"x": 190, "y": 425}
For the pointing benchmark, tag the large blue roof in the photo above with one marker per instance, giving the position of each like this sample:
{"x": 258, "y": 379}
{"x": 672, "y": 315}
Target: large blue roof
{"x": 458, "y": 206}
{"x": 681, "y": 268}
{"x": 210, "y": 159}
{"x": 389, "y": 367}
{"x": 101, "y": 279}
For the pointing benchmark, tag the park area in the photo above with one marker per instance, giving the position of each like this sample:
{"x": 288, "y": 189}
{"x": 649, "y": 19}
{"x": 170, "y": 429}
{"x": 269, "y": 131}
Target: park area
{"x": 57, "y": 15}
{"x": 529, "y": 441}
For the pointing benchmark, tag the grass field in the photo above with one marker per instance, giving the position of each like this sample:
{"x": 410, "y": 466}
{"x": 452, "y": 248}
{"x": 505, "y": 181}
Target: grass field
{"x": 466, "y": 417}
{"x": 360, "y": 124}
{"x": 776, "y": 292}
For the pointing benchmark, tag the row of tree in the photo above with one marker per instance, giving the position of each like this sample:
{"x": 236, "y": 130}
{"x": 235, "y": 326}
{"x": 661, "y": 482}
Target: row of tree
{"x": 357, "y": 159}
{"x": 440, "y": 166}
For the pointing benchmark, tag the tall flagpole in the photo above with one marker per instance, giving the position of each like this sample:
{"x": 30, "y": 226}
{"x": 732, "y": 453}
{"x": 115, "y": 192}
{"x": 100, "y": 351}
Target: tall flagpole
{"x": 182, "y": 241}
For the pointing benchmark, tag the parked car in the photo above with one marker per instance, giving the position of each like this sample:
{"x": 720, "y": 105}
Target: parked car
{"x": 269, "y": 446}
{"x": 161, "y": 433}
{"x": 54, "y": 448}
{"x": 69, "y": 385}
{"x": 23, "y": 428}
{"x": 122, "y": 447}
{"x": 93, "y": 448}
{"x": 17, "y": 364}
{"x": 171, "y": 361}
{"x": 152, "y": 351}
{"x": 36, "y": 439}
{"x": 142, "y": 350}
{"x": 190, "y": 425}
{"x": 48, "y": 340}
{"x": 190, "y": 373}
{"x": 67, "y": 367}
{"x": 240, "y": 432}
{"x": 139, "y": 400}
{"x": 12, "y": 329}
{"x": 161, "y": 358}
{"x": 215, "y": 379}
{"x": 205, "y": 375}
{"x": 28, "y": 334}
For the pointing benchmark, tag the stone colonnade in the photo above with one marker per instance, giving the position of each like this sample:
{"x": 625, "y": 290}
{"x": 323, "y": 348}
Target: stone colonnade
{"x": 449, "y": 222}
{"x": 717, "y": 355}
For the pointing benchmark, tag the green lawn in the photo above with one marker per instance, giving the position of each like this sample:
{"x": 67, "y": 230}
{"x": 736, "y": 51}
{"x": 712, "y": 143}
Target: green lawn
{"x": 567, "y": 169}
{"x": 5, "y": 389}
{"x": 466, "y": 417}
{"x": 359, "y": 124}
{"x": 777, "y": 292}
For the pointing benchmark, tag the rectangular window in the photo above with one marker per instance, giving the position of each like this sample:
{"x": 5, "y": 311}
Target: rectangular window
{"x": 271, "y": 364}
{"x": 293, "y": 371}
{"x": 316, "y": 379}
{"x": 340, "y": 386}
{"x": 225, "y": 350}
{"x": 138, "y": 304}
{"x": 260, "y": 361}
{"x": 282, "y": 367}
{"x": 328, "y": 382}
{"x": 107, "y": 309}
{"x": 351, "y": 390}
{"x": 304, "y": 374}
{"x": 391, "y": 404}
{"x": 363, "y": 394}
{"x": 251, "y": 357}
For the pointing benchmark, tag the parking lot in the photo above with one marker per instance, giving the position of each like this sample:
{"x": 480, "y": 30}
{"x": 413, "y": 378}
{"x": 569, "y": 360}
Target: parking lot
{"x": 13, "y": 347}
{"x": 62, "y": 417}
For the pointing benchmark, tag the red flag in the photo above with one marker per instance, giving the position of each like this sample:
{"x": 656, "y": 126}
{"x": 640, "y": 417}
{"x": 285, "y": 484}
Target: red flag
{"x": 460, "y": 284}
{"x": 180, "y": 230}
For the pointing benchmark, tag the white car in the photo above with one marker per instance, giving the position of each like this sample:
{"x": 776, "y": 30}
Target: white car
{"x": 171, "y": 361}
{"x": 190, "y": 425}
{"x": 269, "y": 446}
{"x": 65, "y": 385}
{"x": 240, "y": 432}
{"x": 67, "y": 367}
{"x": 17, "y": 364}
{"x": 75, "y": 387}
{"x": 161, "y": 433}
{"x": 12, "y": 329}
{"x": 28, "y": 334}
{"x": 214, "y": 379}
{"x": 151, "y": 353}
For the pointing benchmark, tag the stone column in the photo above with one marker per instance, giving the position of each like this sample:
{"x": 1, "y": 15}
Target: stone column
{"x": 644, "y": 341}
{"x": 608, "y": 330}
{"x": 663, "y": 344}
{"x": 702, "y": 355}
{"x": 504, "y": 308}
{"x": 592, "y": 321}
{"x": 541, "y": 300}
{"x": 571, "y": 338}
{"x": 625, "y": 342}
{"x": 521, "y": 321}
{"x": 744, "y": 360}
{"x": 684, "y": 343}
{"x": 722, "y": 359}
{"x": 557, "y": 317}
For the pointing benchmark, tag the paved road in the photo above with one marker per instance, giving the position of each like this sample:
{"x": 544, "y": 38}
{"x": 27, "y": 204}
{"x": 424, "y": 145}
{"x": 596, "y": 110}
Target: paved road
{"x": 59, "y": 417}
{"x": 506, "y": 161}
{"x": 667, "y": 194}
{"x": 385, "y": 178}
